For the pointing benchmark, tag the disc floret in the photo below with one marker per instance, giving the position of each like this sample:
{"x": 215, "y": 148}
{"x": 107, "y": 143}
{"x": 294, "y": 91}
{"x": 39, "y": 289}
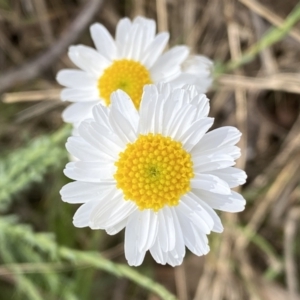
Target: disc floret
{"x": 154, "y": 171}
{"x": 127, "y": 75}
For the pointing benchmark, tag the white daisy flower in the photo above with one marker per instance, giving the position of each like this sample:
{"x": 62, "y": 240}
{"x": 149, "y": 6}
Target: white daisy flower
{"x": 156, "y": 172}
{"x": 135, "y": 58}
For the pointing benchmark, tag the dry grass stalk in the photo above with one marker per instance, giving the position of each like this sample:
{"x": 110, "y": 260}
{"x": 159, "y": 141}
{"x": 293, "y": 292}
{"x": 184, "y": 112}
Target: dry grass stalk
{"x": 162, "y": 15}
{"x": 224, "y": 276}
{"x": 263, "y": 206}
{"x": 290, "y": 231}
{"x": 199, "y": 26}
{"x": 138, "y": 8}
{"x": 240, "y": 93}
{"x": 32, "y": 69}
{"x": 267, "y": 58}
{"x": 290, "y": 147}
{"x": 273, "y": 18}
{"x": 37, "y": 110}
{"x": 189, "y": 19}
{"x": 32, "y": 96}
{"x": 287, "y": 82}
{"x": 181, "y": 282}
{"x": 11, "y": 51}
{"x": 205, "y": 281}
{"x": 41, "y": 9}
{"x": 249, "y": 275}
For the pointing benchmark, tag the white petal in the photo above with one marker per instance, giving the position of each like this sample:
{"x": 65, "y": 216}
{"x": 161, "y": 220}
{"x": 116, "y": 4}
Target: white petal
{"x": 79, "y": 95}
{"x": 149, "y": 26}
{"x": 173, "y": 259}
{"x": 122, "y": 127}
{"x": 122, "y": 30}
{"x": 194, "y": 239}
{"x": 100, "y": 114}
{"x": 81, "y": 192}
{"x": 106, "y": 198}
{"x": 82, "y": 215}
{"x": 129, "y": 48}
{"x": 218, "y": 227}
{"x": 233, "y": 151}
{"x": 201, "y": 67}
{"x": 158, "y": 115}
{"x": 183, "y": 79}
{"x": 181, "y": 122}
{"x": 122, "y": 122}
{"x": 76, "y": 79}
{"x": 117, "y": 227}
{"x": 224, "y": 136}
{"x": 209, "y": 167}
{"x": 132, "y": 254}
{"x": 118, "y": 213}
{"x": 176, "y": 255}
{"x": 202, "y": 104}
{"x": 210, "y": 183}
{"x": 230, "y": 203}
{"x": 76, "y": 112}
{"x": 100, "y": 138}
{"x": 105, "y": 205}
{"x": 201, "y": 84}
{"x": 158, "y": 254}
{"x": 166, "y": 236}
{"x": 79, "y": 148}
{"x": 233, "y": 176}
{"x": 89, "y": 171}
{"x": 138, "y": 40}
{"x": 198, "y": 64}
{"x": 206, "y": 163}
{"x": 195, "y": 133}
{"x": 139, "y": 36}
{"x": 88, "y": 59}
{"x": 196, "y": 214}
{"x": 147, "y": 229}
{"x": 171, "y": 110}
{"x": 124, "y": 104}
{"x": 192, "y": 90}
{"x": 147, "y": 109}
{"x": 103, "y": 41}
{"x": 170, "y": 228}
{"x": 163, "y": 234}
{"x": 168, "y": 65}
{"x": 164, "y": 89}
{"x": 110, "y": 212}
{"x": 155, "y": 49}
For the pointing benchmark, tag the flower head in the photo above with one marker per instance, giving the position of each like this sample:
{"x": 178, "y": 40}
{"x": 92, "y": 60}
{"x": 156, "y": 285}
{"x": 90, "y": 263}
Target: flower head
{"x": 134, "y": 59}
{"x": 155, "y": 171}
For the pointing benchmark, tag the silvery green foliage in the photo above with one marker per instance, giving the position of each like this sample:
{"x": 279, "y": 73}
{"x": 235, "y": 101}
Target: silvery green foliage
{"x": 29, "y": 164}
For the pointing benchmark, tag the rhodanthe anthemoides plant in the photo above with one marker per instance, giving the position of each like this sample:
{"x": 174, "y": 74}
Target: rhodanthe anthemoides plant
{"x": 155, "y": 172}
{"x": 132, "y": 60}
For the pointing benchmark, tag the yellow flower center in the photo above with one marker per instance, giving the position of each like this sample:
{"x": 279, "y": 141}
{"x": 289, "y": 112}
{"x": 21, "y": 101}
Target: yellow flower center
{"x": 127, "y": 75}
{"x": 154, "y": 171}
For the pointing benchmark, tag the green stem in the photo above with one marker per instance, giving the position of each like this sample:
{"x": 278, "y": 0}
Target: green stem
{"x": 94, "y": 259}
{"x": 45, "y": 244}
{"x": 275, "y": 262}
{"x": 271, "y": 37}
